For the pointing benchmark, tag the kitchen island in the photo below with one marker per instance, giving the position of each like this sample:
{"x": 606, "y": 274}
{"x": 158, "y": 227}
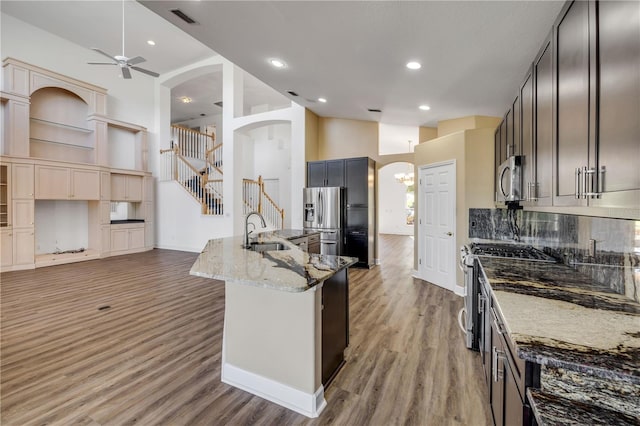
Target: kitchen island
{"x": 273, "y": 323}
{"x": 584, "y": 337}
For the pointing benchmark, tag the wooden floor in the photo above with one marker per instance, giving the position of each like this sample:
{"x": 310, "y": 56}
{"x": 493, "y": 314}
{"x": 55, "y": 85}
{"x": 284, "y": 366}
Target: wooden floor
{"x": 136, "y": 340}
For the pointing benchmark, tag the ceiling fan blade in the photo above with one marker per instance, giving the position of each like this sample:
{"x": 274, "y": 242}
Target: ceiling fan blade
{"x": 101, "y": 63}
{"x": 151, "y": 73}
{"x": 136, "y": 60}
{"x": 103, "y": 53}
{"x": 125, "y": 72}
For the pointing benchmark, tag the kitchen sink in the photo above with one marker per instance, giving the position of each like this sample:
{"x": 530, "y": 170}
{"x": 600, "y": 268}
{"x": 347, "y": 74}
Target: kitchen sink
{"x": 267, "y": 246}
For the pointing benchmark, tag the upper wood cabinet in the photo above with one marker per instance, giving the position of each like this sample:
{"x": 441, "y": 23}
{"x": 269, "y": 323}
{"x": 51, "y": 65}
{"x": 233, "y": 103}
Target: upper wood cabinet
{"x": 574, "y": 112}
{"x": 526, "y": 135}
{"x": 617, "y": 134}
{"x": 325, "y": 173}
{"x": 126, "y": 187}
{"x": 598, "y": 87}
{"x": 22, "y": 181}
{"x": 577, "y": 118}
{"x": 63, "y": 183}
{"x": 50, "y": 116}
{"x": 543, "y": 105}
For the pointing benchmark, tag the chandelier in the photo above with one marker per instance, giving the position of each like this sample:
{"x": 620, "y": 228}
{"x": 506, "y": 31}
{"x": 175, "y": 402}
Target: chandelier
{"x": 406, "y": 178}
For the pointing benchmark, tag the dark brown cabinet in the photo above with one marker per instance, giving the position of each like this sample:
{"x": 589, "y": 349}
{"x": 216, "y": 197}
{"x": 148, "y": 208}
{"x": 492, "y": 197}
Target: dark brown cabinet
{"x": 598, "y": 87}
{"x": 509, "y": 377}
{"x": 360, "y": 232}
{"x": 574, "y": 114}
{"x": 543, "y": 118}
{"x": 516, "y": 121}
{"x": 527, "y": 140}
{"x": 618, "y": 112}
{"x": 335, "y": 324}
{"x": 576, "y": 120}
{"x": 325, "y": 173}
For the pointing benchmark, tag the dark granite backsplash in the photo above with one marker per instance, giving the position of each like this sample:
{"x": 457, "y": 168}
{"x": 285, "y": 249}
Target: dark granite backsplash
{"x": 615, "y": 262}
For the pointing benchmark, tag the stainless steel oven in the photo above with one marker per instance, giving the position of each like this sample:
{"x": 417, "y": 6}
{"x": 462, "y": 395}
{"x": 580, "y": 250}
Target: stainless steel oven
{"x": 467, "y": 317}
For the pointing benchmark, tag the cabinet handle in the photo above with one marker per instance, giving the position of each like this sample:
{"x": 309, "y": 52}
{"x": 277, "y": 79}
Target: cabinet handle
{"x": 577, "y": 182}
{"x": 481, "y": 301}
{"x": 603, "y": 169}
{"x": 498, "y": 323}
{"x": 496, "y": 356}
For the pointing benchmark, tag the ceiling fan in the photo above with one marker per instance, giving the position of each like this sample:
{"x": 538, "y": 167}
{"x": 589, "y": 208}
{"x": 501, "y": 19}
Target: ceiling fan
{"x": 122, "y": 61}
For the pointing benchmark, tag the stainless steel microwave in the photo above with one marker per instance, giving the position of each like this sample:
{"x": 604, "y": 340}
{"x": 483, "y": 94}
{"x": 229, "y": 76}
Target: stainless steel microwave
{"x": 509, "y": 180}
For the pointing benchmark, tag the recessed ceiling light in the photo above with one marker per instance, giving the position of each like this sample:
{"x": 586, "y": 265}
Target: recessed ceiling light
{"x": 186, "y": 100}
{"x": 424, "y": 107}
{"x": 277, "y": 63}
{"x": 323, "y": 100}
{"x": 414, "y": 65}
{"x": 151, "y": 42}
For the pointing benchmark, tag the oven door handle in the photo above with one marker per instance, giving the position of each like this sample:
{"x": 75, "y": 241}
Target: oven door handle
{"x": 461, "y": 314}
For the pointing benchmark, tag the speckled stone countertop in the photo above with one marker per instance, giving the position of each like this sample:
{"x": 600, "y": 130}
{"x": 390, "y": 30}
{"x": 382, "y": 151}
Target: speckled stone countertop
{"x": 551, "y": 410}
{"x": 585, "y": 336}
{"x": 291, "y": 270}
{"x": 556, "y": 316}
{"x": 291, "y": 234}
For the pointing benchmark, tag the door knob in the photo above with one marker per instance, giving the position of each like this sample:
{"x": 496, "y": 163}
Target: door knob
{"x": 450, "y": 234}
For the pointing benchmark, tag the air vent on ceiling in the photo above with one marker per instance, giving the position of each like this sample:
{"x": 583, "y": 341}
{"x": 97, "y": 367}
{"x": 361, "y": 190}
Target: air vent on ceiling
{"x": 219, "y": 103}
{"x": 180, "y": 14}
{"x": 292, "y": 93}
{"x": 374, "y": 110}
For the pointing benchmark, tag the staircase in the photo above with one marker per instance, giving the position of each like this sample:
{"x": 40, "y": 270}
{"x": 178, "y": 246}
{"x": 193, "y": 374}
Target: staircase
{"x": 195, "y": 161}
{"x": 256, "y": 199}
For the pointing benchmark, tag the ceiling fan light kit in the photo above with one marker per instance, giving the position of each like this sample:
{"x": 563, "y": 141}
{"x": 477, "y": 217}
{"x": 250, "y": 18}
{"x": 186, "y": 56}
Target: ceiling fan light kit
{"x": 122, "y": 61}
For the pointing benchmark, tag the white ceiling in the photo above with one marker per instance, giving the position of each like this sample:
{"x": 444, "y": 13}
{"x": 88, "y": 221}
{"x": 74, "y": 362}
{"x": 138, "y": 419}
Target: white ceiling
{"x": 474, "y": 54}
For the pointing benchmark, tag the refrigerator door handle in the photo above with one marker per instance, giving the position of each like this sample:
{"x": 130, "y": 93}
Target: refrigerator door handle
{"x": 320, "y": 208}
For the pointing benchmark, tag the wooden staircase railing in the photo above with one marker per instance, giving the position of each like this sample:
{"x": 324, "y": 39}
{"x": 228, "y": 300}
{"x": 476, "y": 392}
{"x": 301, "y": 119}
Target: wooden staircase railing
{"x": 192, "y": 143}
{"x": 208, "y": 192}
{"x": 206, "y": 184}
{"x": 256, "y": 199}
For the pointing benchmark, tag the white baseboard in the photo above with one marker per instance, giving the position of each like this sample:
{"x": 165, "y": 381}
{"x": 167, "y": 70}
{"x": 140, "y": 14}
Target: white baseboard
{"x": 310, "y": 405}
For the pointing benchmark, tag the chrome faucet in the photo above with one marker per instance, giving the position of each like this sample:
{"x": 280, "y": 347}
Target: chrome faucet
{"x": 246, "y": 227}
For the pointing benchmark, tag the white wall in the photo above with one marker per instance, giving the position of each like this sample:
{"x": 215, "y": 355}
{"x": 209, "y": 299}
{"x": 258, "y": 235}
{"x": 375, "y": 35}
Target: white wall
{"x": 203, "y": 122}
{"x": 394, "y": 139}
{"x": 392, "y": 215}
{"x": 128, "y": 100}
{"x": 272, "y": 157}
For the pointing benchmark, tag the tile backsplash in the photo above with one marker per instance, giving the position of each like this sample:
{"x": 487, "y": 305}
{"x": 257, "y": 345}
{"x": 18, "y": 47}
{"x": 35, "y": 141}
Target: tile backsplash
{"x": 570, "y": 238}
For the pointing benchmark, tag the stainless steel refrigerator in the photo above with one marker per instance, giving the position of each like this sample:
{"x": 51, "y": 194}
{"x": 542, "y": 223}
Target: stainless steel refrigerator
{"x": 324, "y": 212}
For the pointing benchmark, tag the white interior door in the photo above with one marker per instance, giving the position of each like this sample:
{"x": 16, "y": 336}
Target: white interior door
{"x": 436, "y": 229}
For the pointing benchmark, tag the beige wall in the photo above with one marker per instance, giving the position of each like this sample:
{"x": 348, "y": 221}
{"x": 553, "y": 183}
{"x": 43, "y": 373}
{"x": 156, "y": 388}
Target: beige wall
{"x": 427, "y": 133}
{"x": 446, "y": 127}
{"x": 341, "y": 138}
{"x": 473, "y": 153}
{"x": 274, "y": 334}
{"x": 311, "y": 135}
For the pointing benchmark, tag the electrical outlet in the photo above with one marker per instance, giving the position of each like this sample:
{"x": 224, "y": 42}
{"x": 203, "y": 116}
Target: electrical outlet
{"x": 592, "y": 248}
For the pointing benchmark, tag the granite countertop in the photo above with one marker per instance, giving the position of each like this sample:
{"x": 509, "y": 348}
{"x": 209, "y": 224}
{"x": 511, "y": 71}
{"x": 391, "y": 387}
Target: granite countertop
{"x": 551, "y": 410}
{"x": 291, "y": 270}
{"x": 291, "y": 234}
{"x": 559, "y": 317}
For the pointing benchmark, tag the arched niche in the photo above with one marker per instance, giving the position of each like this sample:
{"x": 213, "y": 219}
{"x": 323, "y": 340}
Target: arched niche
{"x": 58, "y": 127}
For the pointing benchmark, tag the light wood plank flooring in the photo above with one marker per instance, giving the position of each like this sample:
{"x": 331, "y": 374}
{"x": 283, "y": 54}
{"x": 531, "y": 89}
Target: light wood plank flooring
{"x": 136, "y": 340}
